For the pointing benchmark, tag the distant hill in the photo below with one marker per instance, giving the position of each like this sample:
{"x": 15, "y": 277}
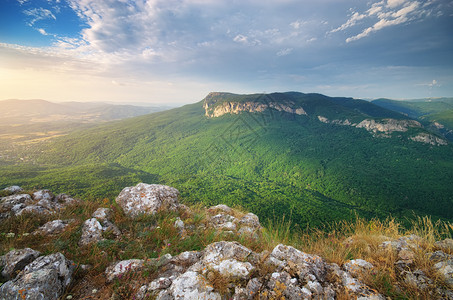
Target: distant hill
{"x": 33, "y": 111}
{"x": 313, "y": 158}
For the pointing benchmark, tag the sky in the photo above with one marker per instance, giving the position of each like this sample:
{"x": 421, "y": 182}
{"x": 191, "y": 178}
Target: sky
{"x": 177, "y": 51}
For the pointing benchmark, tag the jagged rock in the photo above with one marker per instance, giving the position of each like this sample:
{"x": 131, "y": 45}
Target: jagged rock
{"x": 417, "y": 279}
{"x": 155, "y": 285}
{"x": 405, "y": 242}
{"x": 223, "y": 221}
{"x": 388, "y": 125}
{"x": 14, "y": 189}
{"x": 428, "y": 138}
{"x": 445, "y": 269}
{"x": 357, "y": 266}
{"x": 216, "y": 110}
{"x": 221, "y": 207}
{"x": 42, "y": 202}
{"x": 179, "y": 224}
{"x": 92, "y": 231}
{"x": 253, "y": 287}
{"x": 7, "y": 203}
{"x": 439, "y": 256}
{"x": 216, "y": 252}
{"x": 187, "y": 258}
{"x": 298, "y": 262}
{"x": 65, "y": 200}
{"x": 445, "y": 245}
{"x": 159, "y": 284}
{"x": 53, "y": 227}
{"x": 147, "y": 199}
{"x": 16, "y": 260}
{"x": 34, "y": 210}
{"x": 118, "y": 269}
{"x": 353, "y": 285}
{"x": 250, "y": 220}
{"x": 281, "y": 284}
{"x": 188, "y": 286}
{"x": 56, "y": 261}
{"x": 44, "y": 278}
{"x": 102, "y": 213}
{"x": 43, "y": 195}
{"x": 232, "y": 269}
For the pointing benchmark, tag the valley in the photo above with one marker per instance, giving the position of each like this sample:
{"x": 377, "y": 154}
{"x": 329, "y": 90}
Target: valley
{"x": 262, "y": 153}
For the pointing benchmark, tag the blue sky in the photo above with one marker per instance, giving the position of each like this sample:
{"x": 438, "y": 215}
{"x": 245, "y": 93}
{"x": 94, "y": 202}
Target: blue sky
{"x": 179, "y": 50}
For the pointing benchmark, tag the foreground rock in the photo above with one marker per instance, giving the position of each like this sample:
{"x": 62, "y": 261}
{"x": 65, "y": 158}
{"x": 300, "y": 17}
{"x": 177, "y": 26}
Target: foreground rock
{"x": 147, "y": 199}
{"x": 240, "y": 273}
{"x": 224, "y": 218}
{"x": 53, "y": 227}
{"x": 44, "y": 278}
{"x": 16, "y": 260}
{"x": 93, "y": 229}
{"x": 40, "y": 202}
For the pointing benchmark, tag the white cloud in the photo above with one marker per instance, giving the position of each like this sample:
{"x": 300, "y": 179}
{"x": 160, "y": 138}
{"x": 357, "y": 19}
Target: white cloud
{"x": 434, "y": 83}
{"x": 388, "y": 13}
{"x": 38, "y": 14}
{"x": 395, "y": 3}
{"x": 285, "y": 52}
{"x": 42, "y": 31}
{"x": 350, "y": 22}
{"x": 297, "y": 24}
{"x": 241, "y": 39}
{"x": 245, "y": 40}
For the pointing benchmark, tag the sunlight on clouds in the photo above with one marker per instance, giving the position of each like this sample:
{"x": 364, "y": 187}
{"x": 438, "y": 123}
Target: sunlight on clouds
{"x": 159, "y": 46}
{"x": 385, "y": 14}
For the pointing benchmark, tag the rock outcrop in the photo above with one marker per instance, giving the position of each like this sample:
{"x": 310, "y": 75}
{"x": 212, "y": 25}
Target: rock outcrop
{"x": 221, "y": 217}
{"x": 220, "y": 270}
{"x": 147, "y": 199}
{"x": 40, "y": 202}
{"x": 428, "y": 138}
{"x": 94, "y": 228}
{"x": 45, "y": 277}
{"x": 213, "y": 109}
{"x": 385, "y": 127}
{"x": 15, "y": 261}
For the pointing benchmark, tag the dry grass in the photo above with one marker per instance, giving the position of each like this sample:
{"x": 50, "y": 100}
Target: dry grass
{"x": 153, "y": 236}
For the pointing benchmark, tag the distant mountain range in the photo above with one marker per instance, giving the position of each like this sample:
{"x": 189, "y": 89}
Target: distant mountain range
{"x": 14, "y": 111}
{"x": 313, "y": 158}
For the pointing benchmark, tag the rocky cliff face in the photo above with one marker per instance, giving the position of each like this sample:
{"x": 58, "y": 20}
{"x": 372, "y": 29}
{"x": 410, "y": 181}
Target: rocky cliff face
{"x": 213, "y": 109}
{"x": 385, "y": 127}
{"x": 215, "y": 105}
{"x": 224, "y": 269}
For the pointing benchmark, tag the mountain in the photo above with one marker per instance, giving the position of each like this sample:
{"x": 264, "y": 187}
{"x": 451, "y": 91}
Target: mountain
{"x": 313, "y": 158}
{"x": 435, "y": 113}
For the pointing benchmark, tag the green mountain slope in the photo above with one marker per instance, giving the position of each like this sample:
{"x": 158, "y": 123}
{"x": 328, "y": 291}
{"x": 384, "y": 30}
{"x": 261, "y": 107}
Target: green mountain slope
{"x": 436, "y": 113}
{"x": 274, "y": 161}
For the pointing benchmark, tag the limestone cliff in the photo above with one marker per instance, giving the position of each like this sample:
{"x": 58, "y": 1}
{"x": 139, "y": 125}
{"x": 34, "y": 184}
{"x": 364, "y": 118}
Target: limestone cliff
{"x": 215, "y": 109}
{"x": 384, "y": 127}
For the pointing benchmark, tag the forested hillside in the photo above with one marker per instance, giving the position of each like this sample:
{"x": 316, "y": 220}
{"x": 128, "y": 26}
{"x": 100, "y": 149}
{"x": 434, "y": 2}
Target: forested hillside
{"x": 272, "y": 162}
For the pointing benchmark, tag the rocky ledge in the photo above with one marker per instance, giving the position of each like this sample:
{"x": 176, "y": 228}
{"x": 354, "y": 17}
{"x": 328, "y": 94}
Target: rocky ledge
{"x": 385, "y": 127}
{"x": 222, "y": 270}
{"x": 213, "y": 109}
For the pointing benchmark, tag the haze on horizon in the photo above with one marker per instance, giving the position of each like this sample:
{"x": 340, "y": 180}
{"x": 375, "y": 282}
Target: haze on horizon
{"x": 180, "y": 50}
